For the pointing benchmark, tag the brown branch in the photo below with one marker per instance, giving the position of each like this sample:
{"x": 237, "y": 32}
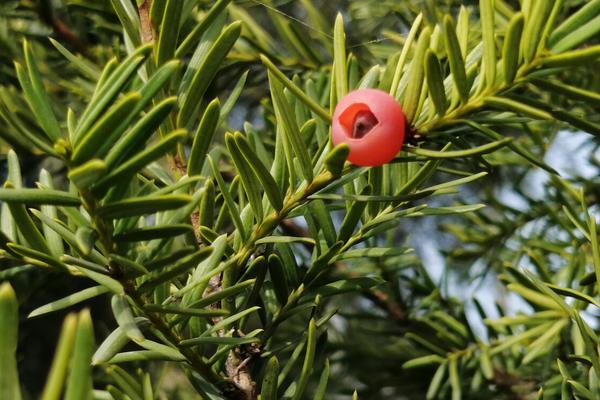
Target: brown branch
{"x": 61, "y": 29}
{"x": 145, "y": 23}
{"x": 237, "y": 365}
{"x": 518, "y": 386}
{"x": 383, "y": 301}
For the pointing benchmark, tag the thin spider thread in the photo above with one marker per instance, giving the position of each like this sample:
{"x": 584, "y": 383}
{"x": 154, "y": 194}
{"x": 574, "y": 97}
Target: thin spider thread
{"x": 378, "y": 40}
{"x": 312, "y": 28}
{"x": 291, "y": 17}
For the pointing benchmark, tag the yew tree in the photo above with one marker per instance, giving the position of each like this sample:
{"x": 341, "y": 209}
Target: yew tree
{"x": 177, "y": 223}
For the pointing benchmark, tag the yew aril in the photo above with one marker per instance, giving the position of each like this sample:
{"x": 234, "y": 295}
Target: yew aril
{"x": 372, "y": 123}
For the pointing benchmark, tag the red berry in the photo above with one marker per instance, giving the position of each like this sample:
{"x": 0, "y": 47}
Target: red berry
{"x": 372, "y": 123}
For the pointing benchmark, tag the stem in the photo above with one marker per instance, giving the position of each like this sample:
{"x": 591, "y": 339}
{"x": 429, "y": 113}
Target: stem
{"x": 193, "y": 359}
{"x": 145, "y": 23}
{"x": 107, "y": 246}
{"x": 476, "y": 102}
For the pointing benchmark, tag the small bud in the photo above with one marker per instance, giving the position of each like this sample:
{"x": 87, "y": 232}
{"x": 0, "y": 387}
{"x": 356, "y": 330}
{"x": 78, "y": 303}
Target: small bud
{"x": 336, "y": 158}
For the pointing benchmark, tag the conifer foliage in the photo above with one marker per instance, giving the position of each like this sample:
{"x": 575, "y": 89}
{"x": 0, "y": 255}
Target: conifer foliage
{"x": 171, "y": 160}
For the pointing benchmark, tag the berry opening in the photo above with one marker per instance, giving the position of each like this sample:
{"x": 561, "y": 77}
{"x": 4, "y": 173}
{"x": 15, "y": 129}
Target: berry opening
{"x": 358, "y": 120}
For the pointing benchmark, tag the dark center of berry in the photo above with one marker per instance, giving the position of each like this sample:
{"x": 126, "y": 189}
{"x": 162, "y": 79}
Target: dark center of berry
{"x": 364, "y": 121}
{"x": 357, "y": 120}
